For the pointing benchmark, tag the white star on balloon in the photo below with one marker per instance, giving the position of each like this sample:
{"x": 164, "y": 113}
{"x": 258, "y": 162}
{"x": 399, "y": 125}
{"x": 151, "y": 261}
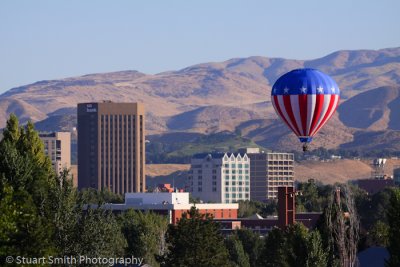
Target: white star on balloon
{"x": 333, "y": 89}
{"x": 303, "y": 90}
{"x": 274, "y": 91}
{"x": 320, "y": 90}
{"x": 286, "y": 90}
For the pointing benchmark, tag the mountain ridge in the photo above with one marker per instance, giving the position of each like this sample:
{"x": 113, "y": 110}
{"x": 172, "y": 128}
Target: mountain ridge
{"x": 232, "y": 95}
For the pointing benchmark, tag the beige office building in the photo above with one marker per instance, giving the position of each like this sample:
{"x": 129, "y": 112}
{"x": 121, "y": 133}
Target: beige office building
{"x": 111, "y": 146}
{"x": 57, "y": 146}
{"x": 268, "y": 171}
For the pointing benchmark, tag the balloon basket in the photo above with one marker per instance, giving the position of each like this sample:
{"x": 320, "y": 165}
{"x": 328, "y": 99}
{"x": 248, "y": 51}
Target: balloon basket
{"x": 305, "y": 147}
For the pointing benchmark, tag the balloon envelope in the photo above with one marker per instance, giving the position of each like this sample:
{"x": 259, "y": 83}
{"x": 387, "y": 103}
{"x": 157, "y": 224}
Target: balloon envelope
{"x": 305, "y": 99}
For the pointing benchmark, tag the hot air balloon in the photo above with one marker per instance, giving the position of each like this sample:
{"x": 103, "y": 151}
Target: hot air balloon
{"x": 305, "y": 99}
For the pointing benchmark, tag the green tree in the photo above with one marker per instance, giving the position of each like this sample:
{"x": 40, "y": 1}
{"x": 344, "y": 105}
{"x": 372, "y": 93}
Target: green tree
{"x": 68, "y": 212}
{"x": 26, "y": 179}
{"x": 275, "y": 251}
{"x": 393, "y": 215}
{"x": 341, "y": 228}
{"x": 94, "y": 196}
{"x": 379, "y": 234}
{"x": 250, "y": 207}
{"x": 295, "y": 246}
{"x": 99, "y": 235}
{"x": 237, "y": 255}
{"x": 316, "y": 254}
{"x": 246, "y": 208}
{"x": 145, "y": 235}
{"x": 252, "y": 245}
{"x": 195, "y": 241}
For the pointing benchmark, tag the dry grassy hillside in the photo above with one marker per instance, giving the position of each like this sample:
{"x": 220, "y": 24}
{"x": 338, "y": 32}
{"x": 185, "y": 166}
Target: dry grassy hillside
{"x": 339, "y": 170}
{"x": 329, "y": 172}
{"x": 154, "y": 170}
{"x": 332, "y": 171}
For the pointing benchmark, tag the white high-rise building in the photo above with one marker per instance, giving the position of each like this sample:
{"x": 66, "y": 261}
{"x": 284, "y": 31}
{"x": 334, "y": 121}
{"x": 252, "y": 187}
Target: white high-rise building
{"x": 220, "y": 177}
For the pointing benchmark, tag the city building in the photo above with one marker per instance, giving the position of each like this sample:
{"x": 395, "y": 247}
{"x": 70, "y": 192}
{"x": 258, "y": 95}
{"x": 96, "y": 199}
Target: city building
{"x": 287, "y": 215}
{"x": 268, "y": 171}
{"x": 220, "y": 177}
{"x": 373, "y": 186}
{"x": 172, "y": 205}
{"x": 111, "y": 146}
{"x": 379, "y": 179}
{"x": 57, "y": 146}
{"x": 167, "y": 188}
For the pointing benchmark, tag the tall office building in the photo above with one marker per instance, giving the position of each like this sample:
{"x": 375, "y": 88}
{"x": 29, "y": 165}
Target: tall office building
{"x": 57, "y": 146}
{"x": 220, "y": 177}
{"x": 268, "y": 171}
{"x": 111, "y": 146}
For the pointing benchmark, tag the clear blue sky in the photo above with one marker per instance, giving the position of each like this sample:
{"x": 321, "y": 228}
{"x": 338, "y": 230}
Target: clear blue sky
{"x": 53, "y": 39}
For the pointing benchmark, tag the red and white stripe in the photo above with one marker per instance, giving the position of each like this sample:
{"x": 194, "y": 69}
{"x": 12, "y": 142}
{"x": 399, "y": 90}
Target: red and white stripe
{"x": 305, "y": 114}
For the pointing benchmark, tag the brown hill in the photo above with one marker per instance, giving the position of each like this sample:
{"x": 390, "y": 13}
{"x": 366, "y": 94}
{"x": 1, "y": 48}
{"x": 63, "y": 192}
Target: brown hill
{"x": 377, "y": 109}
{"x": 23, "y": 110}
{"x": 211, "y": 119}
{"x": 231, "y": 95}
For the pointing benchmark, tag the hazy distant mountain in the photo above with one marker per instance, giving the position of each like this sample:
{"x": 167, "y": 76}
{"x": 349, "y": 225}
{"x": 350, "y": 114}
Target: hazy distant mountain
{"x": 232, "y": 95}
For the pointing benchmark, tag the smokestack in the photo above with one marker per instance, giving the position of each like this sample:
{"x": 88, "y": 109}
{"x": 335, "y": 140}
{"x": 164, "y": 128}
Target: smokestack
{"x": 286, "y": 206}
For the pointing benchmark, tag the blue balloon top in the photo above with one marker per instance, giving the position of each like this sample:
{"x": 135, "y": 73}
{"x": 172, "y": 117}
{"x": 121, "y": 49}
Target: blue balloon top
{"x": 305, "y": 81}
